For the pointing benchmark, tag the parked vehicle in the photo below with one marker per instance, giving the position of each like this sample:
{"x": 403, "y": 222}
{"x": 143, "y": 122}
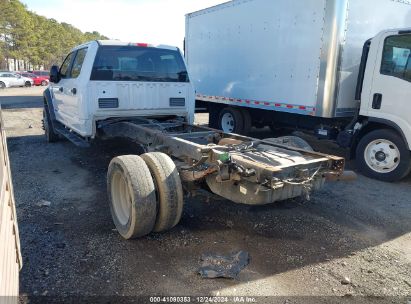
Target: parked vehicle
{"x": 10, "y": 79}
{"x": 38, "y": 80}
{"x": 280, "y": 63}
{"x": 139, "y": 92}
{"x": 41, "y": 73}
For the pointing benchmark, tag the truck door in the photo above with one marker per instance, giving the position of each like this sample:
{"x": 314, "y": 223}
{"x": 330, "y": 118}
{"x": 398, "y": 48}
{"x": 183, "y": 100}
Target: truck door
{"x": 66, "y": 91}
{"x": 57, "y": 89}
{"x": 70, "y": 97}
{"x": 389, "y": 98}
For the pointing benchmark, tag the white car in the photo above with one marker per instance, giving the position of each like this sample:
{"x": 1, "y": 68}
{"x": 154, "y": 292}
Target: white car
{"x": 10, "y": 79}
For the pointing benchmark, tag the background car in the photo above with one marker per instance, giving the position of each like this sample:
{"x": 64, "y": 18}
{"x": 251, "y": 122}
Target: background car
{"x": 38, "y": 80}
{"x": 10, "y": 79}
{"x": 41, "y": 73}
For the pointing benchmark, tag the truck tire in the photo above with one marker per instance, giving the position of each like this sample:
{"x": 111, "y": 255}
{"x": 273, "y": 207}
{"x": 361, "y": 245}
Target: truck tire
{"x": 51, "y": 135}
{"x": 2, "y": 85}
{"x": 292, "y": 141}
{"x": 231, "y": 120}
{"x": 169, "y": 191}
{"x": 27, "y": 84}
{"x": 213, "y": 116}
{"x": 132, "y": 196}
{"x": 248, "y": 122}
{"x": 383, "y": 155}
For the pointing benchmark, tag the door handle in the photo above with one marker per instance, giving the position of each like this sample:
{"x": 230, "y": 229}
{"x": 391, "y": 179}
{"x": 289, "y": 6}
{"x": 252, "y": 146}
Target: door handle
{"x": 377, "y": 101}
{"x": 74, "y": 91}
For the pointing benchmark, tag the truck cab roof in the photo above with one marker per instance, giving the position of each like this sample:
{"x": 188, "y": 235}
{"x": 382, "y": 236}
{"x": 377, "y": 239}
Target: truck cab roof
{"x": 123, "y": 43}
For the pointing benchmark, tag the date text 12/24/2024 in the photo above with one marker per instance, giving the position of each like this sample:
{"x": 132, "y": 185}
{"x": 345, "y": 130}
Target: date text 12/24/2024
{"x": 203, "y": 299}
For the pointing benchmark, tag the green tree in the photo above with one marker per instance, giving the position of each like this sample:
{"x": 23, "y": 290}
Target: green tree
{"x": 40, "y": 41}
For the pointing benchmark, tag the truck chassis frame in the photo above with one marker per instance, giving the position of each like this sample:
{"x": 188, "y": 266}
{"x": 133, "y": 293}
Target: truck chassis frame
{"x": 242, "y": 169}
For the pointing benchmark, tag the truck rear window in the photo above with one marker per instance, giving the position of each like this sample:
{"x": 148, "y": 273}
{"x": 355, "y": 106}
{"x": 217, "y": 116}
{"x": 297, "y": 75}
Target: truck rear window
{"x": 132, "y": 63}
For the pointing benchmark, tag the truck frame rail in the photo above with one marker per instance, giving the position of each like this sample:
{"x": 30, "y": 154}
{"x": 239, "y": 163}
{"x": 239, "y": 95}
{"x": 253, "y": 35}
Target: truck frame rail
{"x": 242, "y": 169}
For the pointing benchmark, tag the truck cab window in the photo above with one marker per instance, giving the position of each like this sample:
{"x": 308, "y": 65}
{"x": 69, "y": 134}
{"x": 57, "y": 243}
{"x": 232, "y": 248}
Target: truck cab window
{"x": 64, "y": 69}
{"x": 131, "y": 63}
{"x": 396, "y": 57}
{"x": 78, "y": 63}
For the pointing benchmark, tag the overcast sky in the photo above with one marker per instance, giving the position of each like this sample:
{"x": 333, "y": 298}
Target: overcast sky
{"x": 151, "y": 21}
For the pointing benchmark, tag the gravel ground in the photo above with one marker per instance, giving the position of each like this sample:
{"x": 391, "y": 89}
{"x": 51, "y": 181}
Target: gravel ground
{"x": 351, "y": 239}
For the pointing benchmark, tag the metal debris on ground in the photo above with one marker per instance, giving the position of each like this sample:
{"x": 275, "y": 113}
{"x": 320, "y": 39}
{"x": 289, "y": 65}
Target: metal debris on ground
{"x": 44, "y": 203}
{"x": 219, "y": 266}
{"x": 346, "y": 281}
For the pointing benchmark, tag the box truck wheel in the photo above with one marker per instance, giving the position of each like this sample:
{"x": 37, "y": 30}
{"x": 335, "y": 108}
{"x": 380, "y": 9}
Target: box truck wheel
{"x": 169, "y": 191}
{"x": 132, "y": 196}
{"x": 231, "y": 120}
{"x": 383, "y": 155}
{"x": 248, "y": 122}
{"x": 214, "y": 114}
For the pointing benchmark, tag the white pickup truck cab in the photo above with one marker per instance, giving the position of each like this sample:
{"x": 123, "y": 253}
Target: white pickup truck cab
{"x": 106, "y": 79}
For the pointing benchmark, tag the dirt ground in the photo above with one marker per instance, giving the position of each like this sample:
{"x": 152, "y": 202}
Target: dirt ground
{"x": 351, "y": 239}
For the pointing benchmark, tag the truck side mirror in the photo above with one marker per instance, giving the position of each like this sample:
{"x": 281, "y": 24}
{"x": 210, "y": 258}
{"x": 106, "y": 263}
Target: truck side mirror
{"x": 55, "y": 74}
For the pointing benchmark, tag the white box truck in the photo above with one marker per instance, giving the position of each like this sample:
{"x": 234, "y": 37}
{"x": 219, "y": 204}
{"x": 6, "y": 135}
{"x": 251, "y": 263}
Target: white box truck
{"x": 333, "y": 66}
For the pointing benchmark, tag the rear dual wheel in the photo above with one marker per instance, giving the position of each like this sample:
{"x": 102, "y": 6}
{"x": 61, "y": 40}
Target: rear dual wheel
{"x": 145, "y": 194}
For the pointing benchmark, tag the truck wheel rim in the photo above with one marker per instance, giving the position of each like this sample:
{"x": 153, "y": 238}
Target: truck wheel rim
{"x": 227, "y": 122}
{"x": 382, "y": 156}
{"x": 121, "y": 198}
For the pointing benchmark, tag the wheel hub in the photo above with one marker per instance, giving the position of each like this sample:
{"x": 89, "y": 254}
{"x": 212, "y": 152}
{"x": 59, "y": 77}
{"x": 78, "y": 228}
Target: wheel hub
{"x": 121, "y": 198}
{"x": 227, "y": 122}
{"x": 382, "y": 156}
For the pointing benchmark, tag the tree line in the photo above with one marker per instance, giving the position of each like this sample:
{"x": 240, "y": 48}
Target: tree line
{"x": 29, "y": 41}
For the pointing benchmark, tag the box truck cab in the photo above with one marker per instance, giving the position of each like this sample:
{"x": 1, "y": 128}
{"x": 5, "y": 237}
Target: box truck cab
{"x": 381, "y": 134}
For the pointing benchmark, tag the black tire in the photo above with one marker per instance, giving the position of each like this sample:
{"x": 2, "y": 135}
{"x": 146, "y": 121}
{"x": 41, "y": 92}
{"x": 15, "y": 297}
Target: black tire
{"x": 213, "y": 116}
{"x": 169, "y": 191}
{"x": 273, "y": 128}
{"x": 2, "y": 85}
{"x": 27, "y": 84}
{"x": 234, "y": 123}
{"x": 51, "y": 135}
{"x": 365, "y": 164}
{"x": 132, "y": 196}
{"x": 291, "y": 141}
{"x": 44, "y": 83}
{"x": 248, "y": 122}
